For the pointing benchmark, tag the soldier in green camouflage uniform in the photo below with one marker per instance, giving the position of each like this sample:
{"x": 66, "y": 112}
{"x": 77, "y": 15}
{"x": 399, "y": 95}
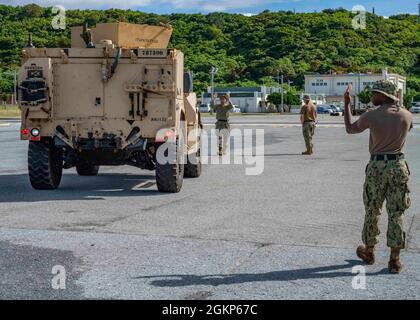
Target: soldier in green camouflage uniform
{"x": 387, "y": 173}
{"x": 222, "y": 122}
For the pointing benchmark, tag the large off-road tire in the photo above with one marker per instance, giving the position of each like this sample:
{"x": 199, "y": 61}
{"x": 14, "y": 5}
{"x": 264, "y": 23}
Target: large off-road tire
{"x": 87, "y": 169}
{"x": 45, "y": 165}
{"x": 170, "y": 175}
{"x": 192, "y": 169}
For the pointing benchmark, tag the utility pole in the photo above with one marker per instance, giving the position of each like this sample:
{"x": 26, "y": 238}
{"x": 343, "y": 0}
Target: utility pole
{"x": 359, "y": 89}
{"x": 278, "y": 78}
{"x": 213, "y": 71}
{"x": 282, "y": 92}
{"x": 289, "y": 82}
{"x": 14, "y": 96}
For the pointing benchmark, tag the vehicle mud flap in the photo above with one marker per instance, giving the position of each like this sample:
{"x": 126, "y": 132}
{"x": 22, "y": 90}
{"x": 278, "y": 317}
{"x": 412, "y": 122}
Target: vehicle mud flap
{"x": 193, "y": 164}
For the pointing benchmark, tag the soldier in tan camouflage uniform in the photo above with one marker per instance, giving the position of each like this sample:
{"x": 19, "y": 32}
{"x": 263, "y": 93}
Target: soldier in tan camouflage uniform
{"x": 222, "y": 122}
{"x": 387, "y": 173}
{"x": 308, "y": 116}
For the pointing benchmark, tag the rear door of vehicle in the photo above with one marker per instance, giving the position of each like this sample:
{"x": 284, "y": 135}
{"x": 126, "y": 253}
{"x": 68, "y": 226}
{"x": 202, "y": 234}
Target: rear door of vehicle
{"x": 78, "y": 90}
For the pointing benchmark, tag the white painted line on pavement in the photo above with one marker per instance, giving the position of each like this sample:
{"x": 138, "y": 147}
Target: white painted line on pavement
{"x": 144, "y": 185}
{"x": 280, "y": 125}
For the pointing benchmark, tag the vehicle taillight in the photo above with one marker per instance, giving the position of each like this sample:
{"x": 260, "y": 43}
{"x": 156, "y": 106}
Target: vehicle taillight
{"x": 169, "y": 134}
{"x": 24, "y": 132}
{"x": 165, "y": 135}
{"x": 35, "y": 134}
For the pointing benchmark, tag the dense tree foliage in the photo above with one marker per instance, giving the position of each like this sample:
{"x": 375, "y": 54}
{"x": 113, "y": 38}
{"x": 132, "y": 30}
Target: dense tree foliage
{"x": 365, "y": 95}
{"x": 247, "y": 50}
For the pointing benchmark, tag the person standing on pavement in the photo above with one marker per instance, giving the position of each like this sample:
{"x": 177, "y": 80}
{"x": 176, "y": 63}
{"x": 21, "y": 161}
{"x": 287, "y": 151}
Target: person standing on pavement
{"x": 387, "y": 173}
{"x": 222, "y": 121}
{"x": 308, "y": 117}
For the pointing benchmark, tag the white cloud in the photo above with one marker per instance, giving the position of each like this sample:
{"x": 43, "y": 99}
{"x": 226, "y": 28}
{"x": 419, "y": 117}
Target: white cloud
{"x": 190, "y": 5}
{"x": 84, "y": 4}
{"x": 216, "y": 5}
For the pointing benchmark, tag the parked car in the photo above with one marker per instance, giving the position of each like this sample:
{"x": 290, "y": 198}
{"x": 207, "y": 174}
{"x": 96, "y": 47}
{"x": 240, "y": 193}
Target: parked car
{"x": 205, "y": 107}
{"x": 415, "y": 108}
{"x": 337, "y": 111}
{"x": 324, "y": 109}
{"x": 235, "y": 109}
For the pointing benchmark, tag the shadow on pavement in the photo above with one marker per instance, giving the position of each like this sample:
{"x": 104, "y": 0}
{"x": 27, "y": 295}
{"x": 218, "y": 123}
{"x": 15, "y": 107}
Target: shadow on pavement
{"x": 17, "y": 188}
{"x": 326, "y": 272}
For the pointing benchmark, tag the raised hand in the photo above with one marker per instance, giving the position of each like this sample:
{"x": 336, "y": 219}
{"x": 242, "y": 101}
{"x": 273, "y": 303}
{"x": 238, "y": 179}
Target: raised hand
{"x": 347, "y": 95}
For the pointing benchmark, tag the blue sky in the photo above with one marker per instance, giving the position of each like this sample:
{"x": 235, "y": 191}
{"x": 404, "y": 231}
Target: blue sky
{"x": 385, "y": 8}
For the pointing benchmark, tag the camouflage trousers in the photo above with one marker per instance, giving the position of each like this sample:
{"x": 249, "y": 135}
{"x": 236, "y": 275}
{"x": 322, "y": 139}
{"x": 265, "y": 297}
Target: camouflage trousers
{"x": 223, "y": 128}
{"x": 308, "y": 129}
{"x": 386, "y": 180}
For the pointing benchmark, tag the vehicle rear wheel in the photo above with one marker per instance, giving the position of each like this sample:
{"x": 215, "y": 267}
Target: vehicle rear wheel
{"x": 87, "y": 169}
{"x": 170, "y": 175}
{"x": 193, "y": 166}
{"x": 45, "y": 165}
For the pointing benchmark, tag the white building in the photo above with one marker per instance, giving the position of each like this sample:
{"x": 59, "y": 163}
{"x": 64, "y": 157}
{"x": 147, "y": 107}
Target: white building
{"x": 253, "y": 99}
{"x": 333, "y": 86}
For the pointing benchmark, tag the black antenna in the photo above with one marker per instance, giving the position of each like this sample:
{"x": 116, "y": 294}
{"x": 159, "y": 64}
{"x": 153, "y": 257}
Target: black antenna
{"x": 30, "y": 43}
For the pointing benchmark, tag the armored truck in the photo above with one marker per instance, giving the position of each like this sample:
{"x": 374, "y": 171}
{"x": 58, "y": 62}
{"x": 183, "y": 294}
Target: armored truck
{"x": 117, "y": 96}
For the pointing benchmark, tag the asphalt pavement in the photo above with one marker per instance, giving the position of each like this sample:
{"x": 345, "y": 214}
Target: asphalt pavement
{"x": 289, "y": 233}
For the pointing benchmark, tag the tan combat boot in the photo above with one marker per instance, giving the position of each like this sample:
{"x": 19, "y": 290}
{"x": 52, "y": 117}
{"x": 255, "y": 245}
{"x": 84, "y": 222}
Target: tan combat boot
{"x": 308, "y": 152}
{"x": 367, "y": 254}
{"x": 394, "y": 265}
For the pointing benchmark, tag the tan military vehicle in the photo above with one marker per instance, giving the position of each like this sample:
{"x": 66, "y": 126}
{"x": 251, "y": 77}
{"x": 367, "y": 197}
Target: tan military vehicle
{"x": 118, "y": 96}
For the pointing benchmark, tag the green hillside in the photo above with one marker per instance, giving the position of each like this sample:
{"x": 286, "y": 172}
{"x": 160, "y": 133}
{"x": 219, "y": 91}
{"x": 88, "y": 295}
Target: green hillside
{"x": 247, "y": 50}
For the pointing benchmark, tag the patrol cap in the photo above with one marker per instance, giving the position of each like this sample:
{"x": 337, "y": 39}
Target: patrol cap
{"x": 387, "y": 88}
